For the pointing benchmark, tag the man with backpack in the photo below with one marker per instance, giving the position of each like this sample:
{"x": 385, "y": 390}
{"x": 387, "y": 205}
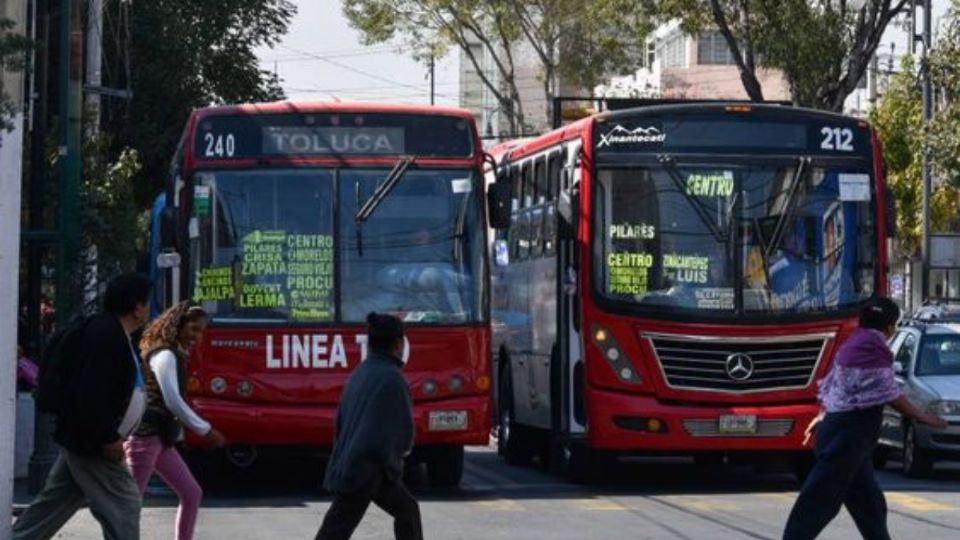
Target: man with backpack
{"x": 91, "y": 381}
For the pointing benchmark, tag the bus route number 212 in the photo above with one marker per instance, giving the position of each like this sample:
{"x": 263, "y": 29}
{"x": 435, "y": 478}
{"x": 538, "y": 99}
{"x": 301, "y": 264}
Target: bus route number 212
{"x": 219, "y": 146}
{"x": 835, "y": 138}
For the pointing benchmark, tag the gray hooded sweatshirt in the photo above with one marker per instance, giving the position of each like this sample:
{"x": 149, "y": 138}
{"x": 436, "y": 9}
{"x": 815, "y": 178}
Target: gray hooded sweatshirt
{"x": 374, "y": 431}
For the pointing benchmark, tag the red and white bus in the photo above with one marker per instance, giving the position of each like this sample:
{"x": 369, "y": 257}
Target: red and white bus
{"x": 291, "y": 222}
{"x": 675, "y": 279}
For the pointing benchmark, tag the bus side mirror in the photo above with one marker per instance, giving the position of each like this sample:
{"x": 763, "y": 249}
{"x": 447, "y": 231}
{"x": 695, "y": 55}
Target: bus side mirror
{"x": 498, "y": 204}
{"x": 168, "y": 229}
{"x": 890, "y": 212}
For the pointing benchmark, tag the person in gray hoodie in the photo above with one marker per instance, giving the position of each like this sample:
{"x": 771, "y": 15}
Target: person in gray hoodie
{"x": 374, "y": 434}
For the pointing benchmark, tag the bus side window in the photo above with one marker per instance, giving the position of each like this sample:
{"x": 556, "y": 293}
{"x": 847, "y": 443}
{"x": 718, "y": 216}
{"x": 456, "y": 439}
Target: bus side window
{"x": 517, "y": 186}
{"x": 540, "y": 175}
{"x": 536, "y": 232}
{"x": 528, "y": 187}
{"x": 553, "y": 176}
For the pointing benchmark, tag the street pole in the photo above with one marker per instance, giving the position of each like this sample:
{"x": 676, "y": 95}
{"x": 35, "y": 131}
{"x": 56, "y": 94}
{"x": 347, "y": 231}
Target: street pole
{"x": 9, "y": 274}
{"x": 42, "y": 457}
{"x": 71, "y": 96}
{"x": 433, "y": 82}
{"x": 927, "y": 117}
{"x": 94, "y": 76}
{"x": 11, "y": 164}
{"x": 68, "y": 215}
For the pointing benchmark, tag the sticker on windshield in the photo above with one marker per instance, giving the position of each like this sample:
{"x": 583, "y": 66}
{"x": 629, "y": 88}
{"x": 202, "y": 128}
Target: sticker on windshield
{"x": 201, "y": 200}
{"x": 710, "y": 184}
{"x": 854, "y": 187}
{"x": 620, "y": 135}
{"x": 461, "y": 185}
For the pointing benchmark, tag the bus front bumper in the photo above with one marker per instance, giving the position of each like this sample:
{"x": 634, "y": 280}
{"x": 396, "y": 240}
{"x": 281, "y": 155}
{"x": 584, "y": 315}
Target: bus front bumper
{"x": 259, "y": 424}
{"x": 622, "y": 422}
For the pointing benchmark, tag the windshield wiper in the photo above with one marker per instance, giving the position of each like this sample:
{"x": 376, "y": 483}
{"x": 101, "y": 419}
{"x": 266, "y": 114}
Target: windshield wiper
{"x": 670, "y": 166}
{"x": 384, "y": 188}
{"x": 789, "y": 207}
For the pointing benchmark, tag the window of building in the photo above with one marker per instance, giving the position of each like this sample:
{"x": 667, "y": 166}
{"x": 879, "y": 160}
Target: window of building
{"x": 712, "y": 49}
{"x": 673, "y": 50}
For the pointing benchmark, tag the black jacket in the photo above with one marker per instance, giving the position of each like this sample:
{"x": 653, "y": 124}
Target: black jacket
{"x": 102, "y": 389}
{"x": 374, "y": 429}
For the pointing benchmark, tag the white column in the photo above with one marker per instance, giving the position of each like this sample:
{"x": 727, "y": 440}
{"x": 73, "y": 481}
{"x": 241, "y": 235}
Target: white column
{"x": 11, "y": 151}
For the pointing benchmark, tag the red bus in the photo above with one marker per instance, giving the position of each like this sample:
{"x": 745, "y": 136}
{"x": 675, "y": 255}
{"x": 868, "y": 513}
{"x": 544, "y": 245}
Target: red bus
{"x": 675, "y": 279}
{"x": 291, "y": 222}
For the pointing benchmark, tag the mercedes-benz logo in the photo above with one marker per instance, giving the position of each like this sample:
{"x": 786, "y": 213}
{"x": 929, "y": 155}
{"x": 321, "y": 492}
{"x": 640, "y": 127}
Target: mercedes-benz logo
{"x": 739, "y": 367}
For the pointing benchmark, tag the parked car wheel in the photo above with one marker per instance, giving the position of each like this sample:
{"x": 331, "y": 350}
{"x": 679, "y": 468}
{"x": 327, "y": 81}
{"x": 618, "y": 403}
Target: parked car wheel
{"x": 916, "y": 461}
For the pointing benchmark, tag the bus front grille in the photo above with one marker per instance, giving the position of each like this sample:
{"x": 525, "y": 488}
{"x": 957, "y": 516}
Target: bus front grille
{"x": 738, "y": 365}
{"x": 765, "y": 428}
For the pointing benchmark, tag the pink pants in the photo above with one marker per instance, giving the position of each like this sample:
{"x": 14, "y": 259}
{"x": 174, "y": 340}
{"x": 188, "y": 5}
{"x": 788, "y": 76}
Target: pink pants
{"x": 146, "y": 455}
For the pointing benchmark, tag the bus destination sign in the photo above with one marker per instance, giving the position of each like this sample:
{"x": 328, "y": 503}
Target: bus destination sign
{"x": 823, "y": 136}
{"x": 223, "y": 137}
{"x": 312, "y": 141}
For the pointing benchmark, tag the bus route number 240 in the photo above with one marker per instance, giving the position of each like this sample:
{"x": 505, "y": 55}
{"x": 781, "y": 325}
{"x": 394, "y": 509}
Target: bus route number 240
{"x": 220, "y": 145}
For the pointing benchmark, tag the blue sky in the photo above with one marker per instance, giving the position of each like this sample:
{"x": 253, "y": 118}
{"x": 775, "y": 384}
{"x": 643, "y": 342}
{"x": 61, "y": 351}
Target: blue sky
{"x": 322, "y": 58}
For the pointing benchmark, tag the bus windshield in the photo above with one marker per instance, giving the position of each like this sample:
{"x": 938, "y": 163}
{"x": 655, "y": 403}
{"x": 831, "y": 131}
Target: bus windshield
{"x": 735, "y": 237}
{"x": 283, "y": 246}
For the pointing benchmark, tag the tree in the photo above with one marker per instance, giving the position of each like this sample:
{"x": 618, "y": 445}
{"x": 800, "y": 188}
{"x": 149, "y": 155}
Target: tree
{"x": 945, "y": 74}
{"x": 899, "y": 123}
{"x": 581, "y": 40}
{"x": 823, "y": 47}
{"x": 187, "y": 54}
{"x": 13, "y": 57}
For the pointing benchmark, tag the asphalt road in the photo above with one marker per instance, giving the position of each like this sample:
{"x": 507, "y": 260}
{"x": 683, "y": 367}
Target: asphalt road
{"x": 279, "y": 499}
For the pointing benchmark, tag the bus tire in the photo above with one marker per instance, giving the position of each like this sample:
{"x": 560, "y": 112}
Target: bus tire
{"x": 513, "y": 443}
{"x": 445, "y": 466}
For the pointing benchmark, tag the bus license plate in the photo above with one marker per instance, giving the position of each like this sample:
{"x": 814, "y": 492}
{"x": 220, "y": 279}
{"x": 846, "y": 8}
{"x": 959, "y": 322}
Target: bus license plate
{"x": 448, "y": 420}
{"x": 737, "y": 424}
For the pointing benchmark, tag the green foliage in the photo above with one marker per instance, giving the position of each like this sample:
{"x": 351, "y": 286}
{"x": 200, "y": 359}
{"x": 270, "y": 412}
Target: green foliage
{"x": 13, "y": 57}
{"x": 945, "y": 74}
{"x": 188, "y": 54}
{"x": 579, "y": 40}
{"x": 823, "y": 47}
{"x": 108, "y": 213}
{"x": 899, "y": 124}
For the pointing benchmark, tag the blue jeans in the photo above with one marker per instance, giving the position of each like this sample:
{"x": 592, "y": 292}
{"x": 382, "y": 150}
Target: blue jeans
{"x": 843, "y": 476}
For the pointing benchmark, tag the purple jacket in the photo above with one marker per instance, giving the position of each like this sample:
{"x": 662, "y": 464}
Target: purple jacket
{"x": 862, "y": 375}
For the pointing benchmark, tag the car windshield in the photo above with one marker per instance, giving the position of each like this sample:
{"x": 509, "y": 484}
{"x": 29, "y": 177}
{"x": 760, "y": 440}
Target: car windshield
{"x": 735, "y": 237}
{"x": 276, "y": 245}
{"x": 939, "y": 355}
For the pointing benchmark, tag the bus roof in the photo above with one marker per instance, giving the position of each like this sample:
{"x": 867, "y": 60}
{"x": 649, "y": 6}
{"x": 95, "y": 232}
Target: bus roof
{"x": 314, "y": 107}
{"x": 520, "y": 148}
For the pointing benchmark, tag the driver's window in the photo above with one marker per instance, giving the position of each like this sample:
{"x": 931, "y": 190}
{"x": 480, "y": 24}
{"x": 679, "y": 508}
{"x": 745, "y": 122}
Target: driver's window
{"x": 906, "y": 353}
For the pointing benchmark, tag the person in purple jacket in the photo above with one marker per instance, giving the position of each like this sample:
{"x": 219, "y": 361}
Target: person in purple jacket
{"x": 852, "y": 397}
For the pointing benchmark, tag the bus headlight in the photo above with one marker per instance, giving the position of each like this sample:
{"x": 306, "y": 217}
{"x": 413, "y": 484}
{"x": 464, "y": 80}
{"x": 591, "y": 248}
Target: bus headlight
{"x": 455, "y": 384}
{"x": 614, "y": 356}
{"x": 429, "y": 387}
{"x": 218, "y": 385}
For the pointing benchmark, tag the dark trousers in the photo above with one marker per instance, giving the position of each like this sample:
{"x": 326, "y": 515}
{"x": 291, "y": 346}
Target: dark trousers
{"x": 348, "y": 509}
{"x": 843, "y": 476}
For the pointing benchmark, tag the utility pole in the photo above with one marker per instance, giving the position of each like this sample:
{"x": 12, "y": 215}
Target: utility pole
{"x": 94, "y": 63}
{"x": 43, "y": 427}
{"x": 70, "y": 73}
{"x": 433, "y": 81}
{"x": 927, "y": 173}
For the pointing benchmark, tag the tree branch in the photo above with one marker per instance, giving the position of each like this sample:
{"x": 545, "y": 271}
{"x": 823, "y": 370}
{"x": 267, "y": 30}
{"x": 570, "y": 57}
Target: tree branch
{"x": 747, "y": 74}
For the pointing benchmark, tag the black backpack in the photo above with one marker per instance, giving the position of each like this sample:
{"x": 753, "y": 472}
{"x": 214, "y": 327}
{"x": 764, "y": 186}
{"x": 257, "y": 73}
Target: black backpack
{"x": 60, "y": 366}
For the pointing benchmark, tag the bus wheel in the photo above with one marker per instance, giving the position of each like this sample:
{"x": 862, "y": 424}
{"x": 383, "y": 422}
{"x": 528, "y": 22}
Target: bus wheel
{"x": 512, "y": 443}
{"x": 445, "y": 466}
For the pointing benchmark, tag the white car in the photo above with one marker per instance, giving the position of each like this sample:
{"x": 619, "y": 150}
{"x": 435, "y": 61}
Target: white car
{"x": 927, "y": 360}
